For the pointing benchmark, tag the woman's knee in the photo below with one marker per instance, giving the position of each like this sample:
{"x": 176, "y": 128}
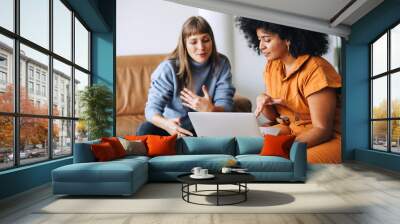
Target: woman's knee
{"x": 147, "y": 128}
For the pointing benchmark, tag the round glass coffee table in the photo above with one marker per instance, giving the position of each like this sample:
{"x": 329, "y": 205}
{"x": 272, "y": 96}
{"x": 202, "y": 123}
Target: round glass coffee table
{"x": 238, "y": 179}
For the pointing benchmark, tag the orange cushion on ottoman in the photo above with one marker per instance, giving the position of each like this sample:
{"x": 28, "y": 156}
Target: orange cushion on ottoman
{"x": 103, "y": 151}
{"x": 161, "y": 145}
{"x": 277, "y": 145}
{"x": 116, "y": 145}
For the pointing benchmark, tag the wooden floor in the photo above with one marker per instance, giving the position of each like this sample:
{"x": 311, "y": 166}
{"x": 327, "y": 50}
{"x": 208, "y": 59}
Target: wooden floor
{"x": 377, "y": 188}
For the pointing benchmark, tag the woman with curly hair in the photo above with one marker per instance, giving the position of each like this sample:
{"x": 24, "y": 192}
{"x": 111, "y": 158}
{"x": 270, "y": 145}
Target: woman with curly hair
{"x": 302, "y": 88}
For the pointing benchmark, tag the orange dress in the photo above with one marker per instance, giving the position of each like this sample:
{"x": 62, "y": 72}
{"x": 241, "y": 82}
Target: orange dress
{"x": 310, "y": 74}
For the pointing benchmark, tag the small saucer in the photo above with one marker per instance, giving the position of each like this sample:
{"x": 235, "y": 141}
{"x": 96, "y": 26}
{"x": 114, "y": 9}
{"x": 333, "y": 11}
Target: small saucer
{"x": 208, "y": 176}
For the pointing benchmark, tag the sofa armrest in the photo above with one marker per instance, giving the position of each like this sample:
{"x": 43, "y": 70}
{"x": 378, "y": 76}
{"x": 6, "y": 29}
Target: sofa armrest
{"x": 83, "y": 152}
{"x": 298, "y": 155}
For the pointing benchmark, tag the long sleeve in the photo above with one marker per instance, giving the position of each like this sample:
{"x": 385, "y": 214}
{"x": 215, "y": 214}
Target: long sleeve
{"x": 224, "y": 90}
{"x": 161, "y": 90}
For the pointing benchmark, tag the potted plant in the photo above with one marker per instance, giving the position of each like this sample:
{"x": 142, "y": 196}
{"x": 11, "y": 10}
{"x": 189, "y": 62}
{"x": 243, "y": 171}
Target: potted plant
{"x": 96, "y": 102}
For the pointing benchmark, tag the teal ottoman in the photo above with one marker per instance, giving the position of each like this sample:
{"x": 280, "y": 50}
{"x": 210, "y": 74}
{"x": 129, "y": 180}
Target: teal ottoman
{"x": 118, "y": 177}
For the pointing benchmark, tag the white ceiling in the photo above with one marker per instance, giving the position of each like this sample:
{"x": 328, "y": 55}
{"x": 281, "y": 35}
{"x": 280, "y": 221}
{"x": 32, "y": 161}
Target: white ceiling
{"x": 321, "y": 9}
{"x": 324, "y": 16}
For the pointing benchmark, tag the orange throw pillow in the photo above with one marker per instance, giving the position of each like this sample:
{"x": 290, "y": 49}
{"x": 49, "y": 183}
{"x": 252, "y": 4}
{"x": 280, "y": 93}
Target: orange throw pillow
{"x": 116, "y": 145}
{"x": 277, "y": 145}
{"x": 161, "y": 145}
{"x": 103, "y": 151}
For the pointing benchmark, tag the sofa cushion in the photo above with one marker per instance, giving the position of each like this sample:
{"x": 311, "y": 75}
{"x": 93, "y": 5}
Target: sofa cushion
{"x": 249, "y": 145}
{"x": 135, "y": 147}
{"x": 161, "y": 145}
{"x": 277, "y": 145}
{"x": 257, "y": 163}
{"x": 103, "y": 151}
{"x": 112, "y": 171}
{"x": 206, "y": 145}
{"x": 116, "y": 145}
{"x": 185, "y": 163}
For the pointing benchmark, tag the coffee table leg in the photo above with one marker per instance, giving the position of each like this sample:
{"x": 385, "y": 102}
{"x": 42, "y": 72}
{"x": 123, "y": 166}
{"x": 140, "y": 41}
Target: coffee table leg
{"x": 245, "y": 191}
{"x": 217, "y": 194}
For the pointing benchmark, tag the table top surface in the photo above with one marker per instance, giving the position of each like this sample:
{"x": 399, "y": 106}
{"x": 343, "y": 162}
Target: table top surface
{"x": 220, "y": 178}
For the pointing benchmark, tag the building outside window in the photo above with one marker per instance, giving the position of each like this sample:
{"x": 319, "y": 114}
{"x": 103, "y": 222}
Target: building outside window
{"x": 385, "y": 94}
{"x": 3, "y": 71}
{"x": 30, "y": 87}
{"x": 43, "y": 90}
{"x": 57, "y": 133}
{"x": 30, "y": 72}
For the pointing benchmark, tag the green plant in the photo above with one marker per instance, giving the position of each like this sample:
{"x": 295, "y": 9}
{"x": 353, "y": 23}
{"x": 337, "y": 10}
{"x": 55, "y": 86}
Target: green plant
{"x": 96, "y": 102}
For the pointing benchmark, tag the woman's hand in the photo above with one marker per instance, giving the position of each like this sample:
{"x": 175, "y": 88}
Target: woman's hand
{"x": 172, "y": 126}
{"x": 197, "y": 103}
{"x": 262, "y": 100}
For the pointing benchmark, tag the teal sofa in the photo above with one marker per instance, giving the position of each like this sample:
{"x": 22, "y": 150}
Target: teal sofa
{"x": 125, "y": 176}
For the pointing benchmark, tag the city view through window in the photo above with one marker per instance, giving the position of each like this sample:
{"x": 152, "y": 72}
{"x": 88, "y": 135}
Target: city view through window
{"x": 39, "y": 113}
{"x": 385, "y": 93}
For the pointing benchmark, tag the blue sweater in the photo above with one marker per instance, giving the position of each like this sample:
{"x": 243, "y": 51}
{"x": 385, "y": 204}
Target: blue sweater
{"x": 164, "y": 94}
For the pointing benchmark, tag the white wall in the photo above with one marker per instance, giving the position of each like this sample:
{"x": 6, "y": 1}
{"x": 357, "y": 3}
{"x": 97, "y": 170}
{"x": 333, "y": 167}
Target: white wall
{"x": 153, "y": 27}
{"x": 149, "y": 27}
{"x": 248, "y": 67}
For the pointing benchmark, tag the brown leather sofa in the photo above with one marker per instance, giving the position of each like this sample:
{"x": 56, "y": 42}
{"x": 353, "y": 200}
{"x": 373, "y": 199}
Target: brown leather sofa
{"x": 133, "y": 81}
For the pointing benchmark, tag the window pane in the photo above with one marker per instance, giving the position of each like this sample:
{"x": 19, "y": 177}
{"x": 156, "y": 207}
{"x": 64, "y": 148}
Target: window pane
{"x": 6, "y": 142}
{"x": 81, "y": 45}
{"x": 395, "y": 94}
{"x": 62, "y": 89}
{"x": 35, "y": 21}
{"x": 395, "y": 138}
{"x": 81, "y": 131}
{"x": 62, "y": 138}
{"x": 6, "y": 74}
{"x": 62, "y": 29}
{"x": 33, "y": 139}
{"x": 379, "y": 97}
{"x": 395, "y": 47}
{"x": 379, "y": 55}
{"x": 7, "y": 14}
{"x": 81, "y": 81}
{"x": 379, "y": 135}
{"x": 34, "y": 72}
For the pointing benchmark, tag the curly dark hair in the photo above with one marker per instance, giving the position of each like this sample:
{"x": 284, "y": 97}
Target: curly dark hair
{"x": 301, "y": 41}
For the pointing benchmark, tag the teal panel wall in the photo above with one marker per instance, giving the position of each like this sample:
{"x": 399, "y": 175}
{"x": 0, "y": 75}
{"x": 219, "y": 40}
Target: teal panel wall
{"x": 356, "y": 84}
{"x": 99, "y": 16}
{"x": 103, "y": 63}
{"x": 24, "y": 178}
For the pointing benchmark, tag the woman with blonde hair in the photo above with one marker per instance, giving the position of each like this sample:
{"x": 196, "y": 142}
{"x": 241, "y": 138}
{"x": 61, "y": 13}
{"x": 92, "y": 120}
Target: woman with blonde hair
{"x": 195, "y": 77}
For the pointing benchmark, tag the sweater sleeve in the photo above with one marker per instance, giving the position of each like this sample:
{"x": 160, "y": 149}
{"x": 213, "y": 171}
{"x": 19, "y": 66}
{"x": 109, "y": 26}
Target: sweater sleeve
{"x": 161, "y": 90}
{"x": 224, "y": 90}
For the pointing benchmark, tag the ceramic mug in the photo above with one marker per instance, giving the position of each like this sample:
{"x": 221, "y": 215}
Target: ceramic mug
{"x": 203, "y": 172}
{"x": 196, "y": 170}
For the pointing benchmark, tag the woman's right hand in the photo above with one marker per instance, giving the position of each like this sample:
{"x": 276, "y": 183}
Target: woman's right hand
{"x": 261, "y": 101}
{"x": 172, "y": 126}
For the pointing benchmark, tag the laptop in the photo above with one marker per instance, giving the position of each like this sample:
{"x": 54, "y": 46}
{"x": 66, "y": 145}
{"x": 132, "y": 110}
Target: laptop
{"x": 225, "y": 124}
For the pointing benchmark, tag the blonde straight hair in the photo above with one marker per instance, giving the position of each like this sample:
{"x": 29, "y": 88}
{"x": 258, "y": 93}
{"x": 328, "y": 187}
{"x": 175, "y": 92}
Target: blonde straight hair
{"x": 194, "y": 25}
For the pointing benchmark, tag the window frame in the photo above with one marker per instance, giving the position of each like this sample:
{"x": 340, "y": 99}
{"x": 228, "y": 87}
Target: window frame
{"x": 388, "y": 74}
{"x": 16, "y": 114}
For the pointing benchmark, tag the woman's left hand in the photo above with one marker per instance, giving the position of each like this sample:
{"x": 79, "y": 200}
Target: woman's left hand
{"x": 195, "y": 102}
